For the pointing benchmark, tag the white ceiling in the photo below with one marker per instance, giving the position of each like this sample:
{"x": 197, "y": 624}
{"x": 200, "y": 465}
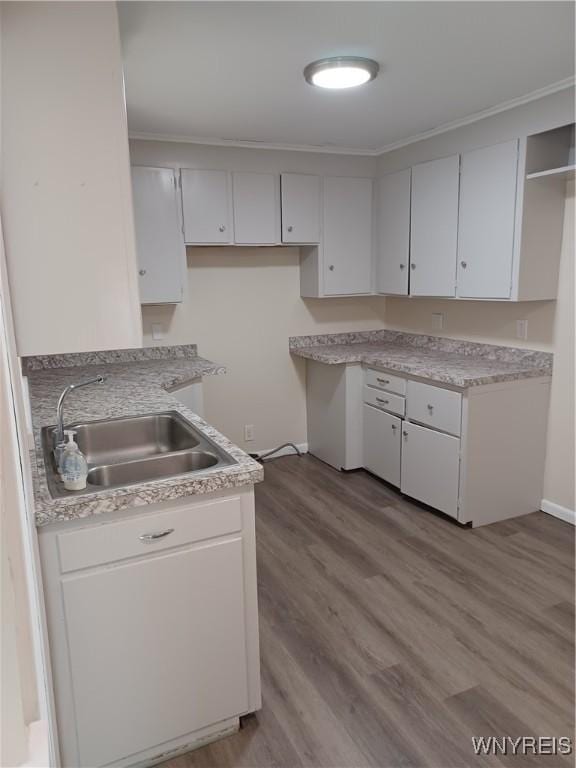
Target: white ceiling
{"x": 233, "y": 70}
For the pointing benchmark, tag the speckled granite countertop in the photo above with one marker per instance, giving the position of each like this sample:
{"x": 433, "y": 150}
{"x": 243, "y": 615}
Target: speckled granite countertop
{"x": 445, "y": 361}
{"x": 135, "y": 384}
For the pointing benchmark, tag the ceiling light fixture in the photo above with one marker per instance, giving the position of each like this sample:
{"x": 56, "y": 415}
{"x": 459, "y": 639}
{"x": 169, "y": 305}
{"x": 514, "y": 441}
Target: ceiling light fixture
{"x": 341, "y": 72}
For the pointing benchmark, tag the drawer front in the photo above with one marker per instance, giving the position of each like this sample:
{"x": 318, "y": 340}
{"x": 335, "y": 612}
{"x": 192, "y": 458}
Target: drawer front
{"x": 434, "y": 406}
{"x": 109, "y": 542}
{"x": 384, "y": 400}
{"x": 385, "y": 381}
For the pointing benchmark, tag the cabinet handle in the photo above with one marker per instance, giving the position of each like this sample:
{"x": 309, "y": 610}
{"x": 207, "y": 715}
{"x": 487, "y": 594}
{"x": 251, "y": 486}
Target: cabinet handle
{"x": 394, "y": 427}
{"x": 380, "y": 400}
{"x": 430, "y": 407}
{"x": 289, "y": 228}
{"x": 331, "y": 267}
{"x": 383, "y": 381}
{"x": 402, "y": 266}
{"x": 221, "y": 228}
{"x": 147, "y": 538}
{"x": 412, "y": 266}
{"x": 463, "y": 264}
{"x": 141, "y": 272}
{"x": 405, "y": 433}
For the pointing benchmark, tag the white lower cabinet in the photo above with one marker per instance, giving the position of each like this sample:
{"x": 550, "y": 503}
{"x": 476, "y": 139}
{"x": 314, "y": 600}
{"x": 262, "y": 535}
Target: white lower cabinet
{"x": 431, "y": 467}
{"x": 153, "y": 641}
{"x": 382, "y": 444}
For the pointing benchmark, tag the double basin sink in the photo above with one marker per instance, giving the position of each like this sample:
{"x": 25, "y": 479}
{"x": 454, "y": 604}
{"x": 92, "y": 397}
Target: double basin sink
{"x": 135, "y": 449}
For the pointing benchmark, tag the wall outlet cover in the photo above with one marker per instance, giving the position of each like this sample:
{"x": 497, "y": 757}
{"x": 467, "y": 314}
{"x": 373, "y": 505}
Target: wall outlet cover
{"x": 521, "y": 329}
{"x": 248, "y": 432}
{"x": 157, "y": 331}
{"x": 437, "y": 321}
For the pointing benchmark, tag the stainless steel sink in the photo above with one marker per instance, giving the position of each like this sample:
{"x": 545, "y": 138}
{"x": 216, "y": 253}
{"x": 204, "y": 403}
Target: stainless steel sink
{"x": 128, "y": 472}
{"x": 135, "y": 449}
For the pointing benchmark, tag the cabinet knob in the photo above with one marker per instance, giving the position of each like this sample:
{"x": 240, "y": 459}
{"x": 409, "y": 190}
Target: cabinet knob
{"x": 394, "y": 427}
{"x": 402, "y": 266}
{"x": 463, "y": 264}
{"x": 412, "y": 266}
{"x": 221, "y": 228}
{"x": 141, "y": 272}
{"x": 430, "y": 407}
{"x": 405, "y": 433}
{"x": 331, "y": 267}
{"x": 289, "y": 228}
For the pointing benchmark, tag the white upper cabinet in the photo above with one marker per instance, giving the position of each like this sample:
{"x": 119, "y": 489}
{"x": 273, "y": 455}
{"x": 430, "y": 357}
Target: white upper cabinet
{"x": 207, "y": 207}
{"x": 393, "y": 248}
{"x": 347, "y": 235}
{"x": 300, "y": 208}
{"x": 256, "y": 208}
{"x": 159, "y": 239}
{"x": 434, "y": 227}
{"x": 488, "y": 184}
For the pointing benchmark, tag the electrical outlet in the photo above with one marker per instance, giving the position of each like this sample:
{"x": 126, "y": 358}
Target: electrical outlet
{"x": 157, "y": 331}
{"x": 521, "y": 329}
{"x": 248, "y": 432}
{"x": 437, "y": 321}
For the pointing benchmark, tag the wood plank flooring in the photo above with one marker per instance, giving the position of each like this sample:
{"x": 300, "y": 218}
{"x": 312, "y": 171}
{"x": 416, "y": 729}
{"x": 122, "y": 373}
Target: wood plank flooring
{"x": 390, "y": 635}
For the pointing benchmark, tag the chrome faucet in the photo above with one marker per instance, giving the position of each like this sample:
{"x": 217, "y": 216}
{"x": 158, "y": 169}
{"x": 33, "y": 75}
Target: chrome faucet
{"x": 60, "y": 409}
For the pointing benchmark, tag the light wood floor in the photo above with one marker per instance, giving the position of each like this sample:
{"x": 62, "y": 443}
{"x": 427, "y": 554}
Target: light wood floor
{"x": 391, "y": 635}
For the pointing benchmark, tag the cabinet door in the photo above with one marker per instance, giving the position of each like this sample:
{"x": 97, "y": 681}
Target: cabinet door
{"x": 157, "y": 648}
{"x": 486, "y": 224}
{"x": 300, "y": 208}
{"x": 382, "y": 444}
{"x": 347, "y": 235}
{"x": 256, "y": 208}
{"x": 434, "y": 227}
{"x": 431, "y": 467}
{"x": 159, "y": 239}
{"x": 393, "y": 254}
{"x": 206, "y": 204}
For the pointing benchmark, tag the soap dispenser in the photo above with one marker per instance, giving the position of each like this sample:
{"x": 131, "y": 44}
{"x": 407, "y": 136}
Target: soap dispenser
{"x": 74, "y": 465}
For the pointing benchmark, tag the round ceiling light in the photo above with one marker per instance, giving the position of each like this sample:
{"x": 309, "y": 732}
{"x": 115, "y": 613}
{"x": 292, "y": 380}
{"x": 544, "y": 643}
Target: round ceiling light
{"x": 341, "y": 72}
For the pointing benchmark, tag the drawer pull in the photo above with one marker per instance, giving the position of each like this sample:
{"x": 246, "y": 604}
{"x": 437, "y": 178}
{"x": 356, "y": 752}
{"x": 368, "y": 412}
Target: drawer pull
{"x": 380, "y": 400}
{"x": 383, "y": 381}
{"x": 148, "y": 538}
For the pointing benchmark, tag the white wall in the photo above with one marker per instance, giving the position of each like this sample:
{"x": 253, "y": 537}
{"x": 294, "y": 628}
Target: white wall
{"x": 560, "y": 461}
{"x": 242, "y": 304}
{"x": 65, "y": 185}
{"x": 252, "y": 302}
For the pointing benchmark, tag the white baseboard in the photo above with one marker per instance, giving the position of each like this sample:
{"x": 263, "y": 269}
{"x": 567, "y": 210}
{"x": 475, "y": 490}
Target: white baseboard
{"x": 288, "y": 451}
{"x": 568, "y": 515}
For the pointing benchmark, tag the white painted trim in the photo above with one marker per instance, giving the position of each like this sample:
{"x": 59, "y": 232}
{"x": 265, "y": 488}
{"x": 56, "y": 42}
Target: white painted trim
{"x": 563, "y": 513}
{"x": 214, "y": 142}
{"x": 560, "y": 85}
{"x": 302, "y": 447}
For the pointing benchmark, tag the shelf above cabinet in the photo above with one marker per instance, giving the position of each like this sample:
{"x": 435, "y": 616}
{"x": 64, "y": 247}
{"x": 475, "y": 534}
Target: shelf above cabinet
{"x": 566, "y": 170}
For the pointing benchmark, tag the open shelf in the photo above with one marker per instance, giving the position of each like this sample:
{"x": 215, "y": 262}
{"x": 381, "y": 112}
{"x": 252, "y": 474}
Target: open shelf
{"x": 565, "y": 170}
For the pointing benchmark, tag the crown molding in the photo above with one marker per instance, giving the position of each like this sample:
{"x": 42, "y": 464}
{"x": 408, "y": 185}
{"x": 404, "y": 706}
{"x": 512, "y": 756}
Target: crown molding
{"x": 475, "y": 117}
{"x": 560, "y": 85}
{"x": 238, "y": 144}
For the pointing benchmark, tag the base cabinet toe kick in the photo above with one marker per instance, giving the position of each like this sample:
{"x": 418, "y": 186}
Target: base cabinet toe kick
{"x": 153, "y": 638}
{"x": 474, "y": 454}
